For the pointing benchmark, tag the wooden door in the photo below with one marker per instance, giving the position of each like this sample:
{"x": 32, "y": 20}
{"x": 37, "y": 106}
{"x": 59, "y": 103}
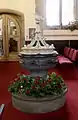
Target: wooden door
{"x": 10, "y": 36}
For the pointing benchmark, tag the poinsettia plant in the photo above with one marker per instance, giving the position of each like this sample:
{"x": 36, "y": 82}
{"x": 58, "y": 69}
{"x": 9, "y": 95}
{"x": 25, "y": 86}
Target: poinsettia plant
{"x": 23, "y": 84}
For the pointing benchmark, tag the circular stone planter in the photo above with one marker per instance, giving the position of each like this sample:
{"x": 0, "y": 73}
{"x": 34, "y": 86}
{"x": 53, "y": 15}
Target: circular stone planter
{"x": 38, "y": 105}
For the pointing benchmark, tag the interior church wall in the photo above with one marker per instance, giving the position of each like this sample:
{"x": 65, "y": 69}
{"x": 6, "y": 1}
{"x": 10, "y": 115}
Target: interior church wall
{"x": 60, "y": 38}
{"x": 41, "y": 8}
{"x": 57, "y": 34}
{"x": 27, "y": 7}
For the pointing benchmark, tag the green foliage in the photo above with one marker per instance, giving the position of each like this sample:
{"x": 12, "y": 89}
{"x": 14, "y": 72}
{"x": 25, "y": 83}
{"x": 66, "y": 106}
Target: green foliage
{"x": 37, "y": 87}
{"x": 73, "y": 25}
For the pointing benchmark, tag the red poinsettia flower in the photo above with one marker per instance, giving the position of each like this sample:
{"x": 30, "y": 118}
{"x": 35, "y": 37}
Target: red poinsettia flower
{"x": 22, "y": 73}
{"x": 38, "y": 78}
{"x": 36, "y": 82}
{"x": 25, "y": 79}
{"x": 44, "y": 84}
{"x": 25, "y": 72}
{"x": 59, "y": 86}
{"x": 27, "y": 91}
{"x": 33, "y": 87}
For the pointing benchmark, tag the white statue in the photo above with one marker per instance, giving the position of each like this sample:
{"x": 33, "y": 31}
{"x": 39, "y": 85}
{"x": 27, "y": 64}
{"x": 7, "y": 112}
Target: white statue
{"x": 38, "y": 44}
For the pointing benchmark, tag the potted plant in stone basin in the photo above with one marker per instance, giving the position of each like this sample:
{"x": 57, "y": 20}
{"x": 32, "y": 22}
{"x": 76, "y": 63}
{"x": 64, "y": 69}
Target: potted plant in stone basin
{"x": 38, "y": 95}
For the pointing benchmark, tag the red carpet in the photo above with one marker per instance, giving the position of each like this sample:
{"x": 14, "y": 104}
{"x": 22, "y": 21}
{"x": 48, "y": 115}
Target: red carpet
{"x": 69, "y": 112}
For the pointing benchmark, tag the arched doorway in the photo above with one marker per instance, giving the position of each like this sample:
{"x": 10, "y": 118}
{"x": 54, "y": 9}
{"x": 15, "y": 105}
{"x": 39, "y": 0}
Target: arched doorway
{"x": 11, "y": 35}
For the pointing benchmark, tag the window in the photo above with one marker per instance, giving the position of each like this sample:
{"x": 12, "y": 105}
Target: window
{"x": 59, "y": 12}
